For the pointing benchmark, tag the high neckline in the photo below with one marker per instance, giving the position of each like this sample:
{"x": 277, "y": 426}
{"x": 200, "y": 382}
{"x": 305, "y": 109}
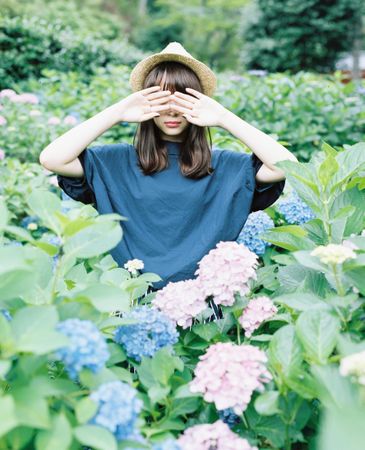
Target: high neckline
{"x": 173, "y": 148}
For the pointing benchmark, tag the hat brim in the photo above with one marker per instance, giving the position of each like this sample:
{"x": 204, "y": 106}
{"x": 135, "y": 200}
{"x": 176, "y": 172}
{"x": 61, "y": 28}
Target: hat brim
{"x": 205, "y": 74}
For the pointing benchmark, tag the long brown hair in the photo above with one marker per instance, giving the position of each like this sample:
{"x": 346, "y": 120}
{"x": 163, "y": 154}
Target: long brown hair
{"x": 195, "y": 154}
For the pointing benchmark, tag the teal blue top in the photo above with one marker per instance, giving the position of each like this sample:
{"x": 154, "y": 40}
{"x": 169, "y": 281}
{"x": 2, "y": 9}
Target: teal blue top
{"x": 173, "y": 221}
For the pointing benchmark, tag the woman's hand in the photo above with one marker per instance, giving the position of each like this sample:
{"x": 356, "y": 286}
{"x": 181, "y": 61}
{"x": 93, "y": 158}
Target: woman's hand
{"x": 141, "y": 105}
{"x": 198, "y": 108}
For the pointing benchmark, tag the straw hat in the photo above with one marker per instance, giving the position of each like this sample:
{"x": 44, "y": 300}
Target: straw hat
{"x": 174, "y": 51}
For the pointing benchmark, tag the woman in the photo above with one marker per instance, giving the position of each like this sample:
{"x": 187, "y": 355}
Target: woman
{"x": 180, "y": 196}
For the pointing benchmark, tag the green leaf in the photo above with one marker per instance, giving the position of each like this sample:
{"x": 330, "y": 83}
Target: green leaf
{"x": 328, "y": 150}
{"x": 318, "y": 332}
{"x": 164, "y": 364}
{"x": 85, "y": 409}
{"x": 285, "y": 352}
{"x": 106, "y": 298}
{"x": 96, "y": 437}
{"x": 4, "y": 368}
{"x": 267, "y": 403}
{"x": 58, "y": 437}
{"x": 327, "y": 170}
{"x": 16, "y": 274}
{"x": 182, "y": 406}
{"x": 33, "y": 329}
{"x": 4, "y": 214}
{"x": 45, "y": 204}
{"x": 300, "y": 301}
{"x": 206, "y": 331}
{"x": 157, "y": 393}
{"x": 38, "y": 415}
{"x": 342, "y": 429}
{"x": 290, "y": 237}
{"x": 91, "y": 241}
{"x": 8, "y": 415}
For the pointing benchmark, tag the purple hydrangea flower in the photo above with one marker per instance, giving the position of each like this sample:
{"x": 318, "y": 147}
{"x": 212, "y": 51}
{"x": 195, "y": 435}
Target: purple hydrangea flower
{"x": 294, "y": 210}
{"x": 118, "y": 409}
{"x": 257, "y": 222}
{"x": 153, "y": 331}
{"x": 88, "y": 348}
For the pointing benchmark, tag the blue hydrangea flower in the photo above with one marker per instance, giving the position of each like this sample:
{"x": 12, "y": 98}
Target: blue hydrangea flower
{"x": 118, "y": 409}
{"x": 170, "y": 444}
{"x": 88, "y": 348}
{"x": 294, "y": 210}
{"x": 257, "y": 222}
{"x": 153, "y": 331}
{"x": 6, "y": 314}
{"x": 229, "y": 417}
{"x": 26, "y": 221}
{"x": 55, "y": 240}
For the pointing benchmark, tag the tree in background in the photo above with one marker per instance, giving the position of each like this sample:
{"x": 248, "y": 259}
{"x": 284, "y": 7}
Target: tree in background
{"x": 298, "y": 35}
{"x": 209, "y": 29}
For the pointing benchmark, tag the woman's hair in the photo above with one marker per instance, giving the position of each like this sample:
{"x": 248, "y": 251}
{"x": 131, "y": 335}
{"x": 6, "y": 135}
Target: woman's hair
{"x": 195, "y": 155}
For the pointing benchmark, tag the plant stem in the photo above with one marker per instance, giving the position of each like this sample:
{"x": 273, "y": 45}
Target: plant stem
{"x": 339, "y": 286}
{"x": 238, "y": 334}
{"x": 245, "y": 421}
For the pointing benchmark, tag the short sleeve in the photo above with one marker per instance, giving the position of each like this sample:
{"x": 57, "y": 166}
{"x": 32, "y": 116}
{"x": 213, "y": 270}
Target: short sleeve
{"x": 265, "y": 194}
{"x": 78, "y": 188}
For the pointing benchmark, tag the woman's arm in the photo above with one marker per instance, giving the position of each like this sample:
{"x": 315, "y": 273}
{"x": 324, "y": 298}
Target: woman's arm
{"x": 265, "y": 147}
{"x": 60, "y": 156}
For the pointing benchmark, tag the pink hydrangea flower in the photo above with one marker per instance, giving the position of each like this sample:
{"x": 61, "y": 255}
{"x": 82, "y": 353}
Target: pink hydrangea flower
{"x": 209, "y": 436}
{"x": 2, "y": 154}
{"x": 225, "y": 270}
{"x": 181, "y": 301}
{"x": 54, "y": 121}
{"x": 257, "y": 311}
{"x": 7, "y": 93}
{"x": 70, "y": 120}
{"x": 3, "y": 121}
{"x": 25, "y": 98}
{"x": 227, "y": 374}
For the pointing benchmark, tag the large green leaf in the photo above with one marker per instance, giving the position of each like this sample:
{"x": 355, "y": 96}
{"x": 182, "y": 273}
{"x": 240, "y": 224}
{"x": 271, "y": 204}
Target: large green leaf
{"x": 318, "y": 331}
{"x": 96, "y": 437}
{"x": 285, "y": 352}
{"x": 300, "y": 301}
{"x": 8, "y": 416}
{"x": 4, "y": 214}
{"x": 45, "y": 204}
{"x": 58, "y": 437}
{"x": 93, "y": 240}
{"x": 290, "y": 237}
{"x": 106, "y": 298}
{"x": 31, "y": 410}
{"x": 33, "y": 330}
{"x": 16, "y": 274}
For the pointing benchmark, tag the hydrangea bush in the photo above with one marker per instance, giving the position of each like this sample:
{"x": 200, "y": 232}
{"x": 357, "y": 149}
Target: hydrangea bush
{"x": 104, "y": 364}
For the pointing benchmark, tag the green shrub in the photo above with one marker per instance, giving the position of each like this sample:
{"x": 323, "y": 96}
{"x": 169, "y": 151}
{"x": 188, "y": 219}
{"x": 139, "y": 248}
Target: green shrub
{"x": 30, "y": 45}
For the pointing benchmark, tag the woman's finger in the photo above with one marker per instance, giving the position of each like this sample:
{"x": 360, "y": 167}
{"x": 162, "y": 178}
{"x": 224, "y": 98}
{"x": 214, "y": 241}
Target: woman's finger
{"x": 148, "y": 116}
{"x": 158, "y": 101}
{"x": 150, "y": 89}
{"x": 159, "y": 94}
{"x": 184, "y": 110}
{"x": 194, "y": 92}
{"x": 186, "y": 97}
{"x": 182, "y": 102}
